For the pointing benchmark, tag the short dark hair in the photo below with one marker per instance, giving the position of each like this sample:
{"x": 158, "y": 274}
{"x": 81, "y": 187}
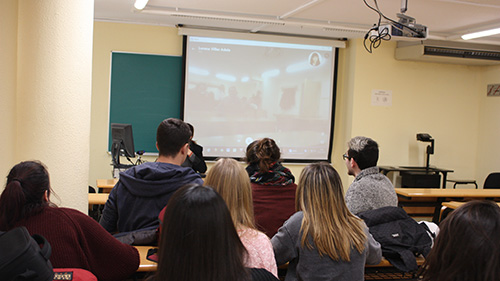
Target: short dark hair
{"x": 171, "y": 135}
{"x": 467, "y": 246}
{"x": 22, "y": 197}
{"x": 364, "y": 151}
{"x": 198, "y": 239}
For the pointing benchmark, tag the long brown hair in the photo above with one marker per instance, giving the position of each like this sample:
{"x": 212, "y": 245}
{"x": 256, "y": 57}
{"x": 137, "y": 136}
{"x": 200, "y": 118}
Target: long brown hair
{"x": 231, "y": 181}
{"x": 23, "y": 195}
{"x": 467, "y": 246}
{"x": 327, "y": 221}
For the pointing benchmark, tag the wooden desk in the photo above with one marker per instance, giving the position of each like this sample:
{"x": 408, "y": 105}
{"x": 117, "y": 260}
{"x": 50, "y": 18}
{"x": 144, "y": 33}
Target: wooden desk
{"x": 402, "y": 169}
{"x": 456, "y": 204}
{"x": 435, "y": 197}
{"x": 98, "y": 198}
{"x": 148, "y": 266}
{"x": 106, "y": 184}
{"x": 386, "y": 263}
{"x": 145, "y": 265}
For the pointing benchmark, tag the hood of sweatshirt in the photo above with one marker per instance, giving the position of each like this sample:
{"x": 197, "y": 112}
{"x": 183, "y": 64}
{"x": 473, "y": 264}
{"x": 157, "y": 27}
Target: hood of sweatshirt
{"x": 154, "y": 179}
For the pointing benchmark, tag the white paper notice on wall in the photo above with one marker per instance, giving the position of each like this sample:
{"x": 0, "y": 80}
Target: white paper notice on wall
{"x": 493, "y": 90}
{"x": 381, "y": 98}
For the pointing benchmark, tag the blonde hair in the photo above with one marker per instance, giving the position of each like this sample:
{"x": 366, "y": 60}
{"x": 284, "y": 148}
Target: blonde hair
{"x": 327, "y": 220}
{"x": 231, "y": 181}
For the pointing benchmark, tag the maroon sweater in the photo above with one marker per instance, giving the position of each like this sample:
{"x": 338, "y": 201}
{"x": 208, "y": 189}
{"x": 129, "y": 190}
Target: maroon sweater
{"x": 272, "y": 205}
{"x": 78, "y": 241}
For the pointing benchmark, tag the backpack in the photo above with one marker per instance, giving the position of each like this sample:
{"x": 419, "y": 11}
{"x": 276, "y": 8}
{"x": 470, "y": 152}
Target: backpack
{"x": 24, "y": 257}
{"x": 400, "y": 236}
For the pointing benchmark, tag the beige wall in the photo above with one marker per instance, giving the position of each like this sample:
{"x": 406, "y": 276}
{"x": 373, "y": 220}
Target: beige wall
{"x": 54, "y": 68}
{"x": 45, "y": 89}
{"x": 444, "y": 100}
{"x": 8, "y": 68}
{"x": 110, "y": 37}
{"x": 440, "y": 99}
{"x": 488, "y": 150}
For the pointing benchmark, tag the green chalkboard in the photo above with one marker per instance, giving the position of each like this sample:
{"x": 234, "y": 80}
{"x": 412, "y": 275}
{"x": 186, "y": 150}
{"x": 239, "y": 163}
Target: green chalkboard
{"x": 145, "y": 89}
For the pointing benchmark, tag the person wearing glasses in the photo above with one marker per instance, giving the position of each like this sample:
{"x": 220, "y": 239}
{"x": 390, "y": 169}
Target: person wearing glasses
{"x": 370, "y": 189}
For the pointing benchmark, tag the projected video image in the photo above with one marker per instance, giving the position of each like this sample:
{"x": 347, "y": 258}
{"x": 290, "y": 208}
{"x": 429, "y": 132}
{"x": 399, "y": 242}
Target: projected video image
{"x": 238, "y": 91}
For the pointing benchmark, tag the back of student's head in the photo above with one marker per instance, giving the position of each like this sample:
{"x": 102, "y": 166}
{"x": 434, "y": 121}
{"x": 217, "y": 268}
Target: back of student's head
{"x": 231, "y": 181}
{"x": 267, "y": 153}
{"x": 198, "y": 238}
{"x": 171, "y": 135}
{"x": 468, "y": 245}
{"x": 327, "y": 221}
{"x": 23, "y": 195}
{"x": 250, "y": 155}
{"x": 364, "y": 151}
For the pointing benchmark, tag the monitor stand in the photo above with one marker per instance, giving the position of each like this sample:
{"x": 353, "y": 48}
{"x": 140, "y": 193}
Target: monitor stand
{"x": 118, "y": 169}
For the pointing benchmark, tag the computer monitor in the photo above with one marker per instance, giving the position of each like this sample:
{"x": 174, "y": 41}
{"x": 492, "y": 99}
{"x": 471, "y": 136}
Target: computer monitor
{"x": 123, "y": 142}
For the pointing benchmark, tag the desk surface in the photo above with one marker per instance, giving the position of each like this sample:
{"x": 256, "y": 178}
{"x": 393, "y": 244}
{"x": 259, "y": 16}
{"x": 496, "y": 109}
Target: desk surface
{"x": 456, "y": 204}
{"x": 436, "y": 192}
{"x": 106, "y": 183}
{"x": 385, "y": 263}
{"x": 413, "y": 169}
{"x": 98, "y": 198}
{"x": 416, "y": 169}
{"x": 145, "y": 265}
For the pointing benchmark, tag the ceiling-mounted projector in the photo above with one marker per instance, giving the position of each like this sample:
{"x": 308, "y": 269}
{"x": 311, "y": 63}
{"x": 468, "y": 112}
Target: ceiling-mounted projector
{"x": 405, "y": 29}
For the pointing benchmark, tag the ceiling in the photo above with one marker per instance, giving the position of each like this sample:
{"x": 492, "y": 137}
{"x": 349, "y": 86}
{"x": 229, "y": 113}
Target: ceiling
{"x": 445, "y": 19}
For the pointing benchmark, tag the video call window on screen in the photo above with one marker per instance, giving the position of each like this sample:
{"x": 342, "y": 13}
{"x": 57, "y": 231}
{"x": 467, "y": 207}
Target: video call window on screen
{"x": 240, "y": 90}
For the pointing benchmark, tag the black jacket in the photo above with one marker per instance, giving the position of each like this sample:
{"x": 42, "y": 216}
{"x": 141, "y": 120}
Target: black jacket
{"x": 196, "y": 161}
{"x": 400, "y": 236}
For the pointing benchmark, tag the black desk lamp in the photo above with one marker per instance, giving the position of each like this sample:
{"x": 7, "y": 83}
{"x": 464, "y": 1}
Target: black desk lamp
{"x": 423, "y": 137}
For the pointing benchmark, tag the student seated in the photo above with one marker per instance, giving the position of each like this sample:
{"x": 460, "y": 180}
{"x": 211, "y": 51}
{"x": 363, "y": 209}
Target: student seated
{"x": 273, "y": 186}
{"x": 199, "y": 241}
{"x": 230, "y": 180}
{"x": 195, "y": 158}
{"x": 77, "y": 240}
{"x": 323, "y": 240}
{"x": 370, "y": 189}
{"x": 467, "y": 246}
{"x": 143, "y": 191}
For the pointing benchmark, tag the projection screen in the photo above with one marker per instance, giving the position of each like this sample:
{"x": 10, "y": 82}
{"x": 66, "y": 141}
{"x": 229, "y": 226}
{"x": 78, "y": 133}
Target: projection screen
{"x": 240, "y": 90}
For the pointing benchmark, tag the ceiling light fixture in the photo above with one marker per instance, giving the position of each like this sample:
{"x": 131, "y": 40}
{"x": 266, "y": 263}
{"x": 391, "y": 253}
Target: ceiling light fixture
{"x": 140, "y": 4}
{"x": 483, "y": 33}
